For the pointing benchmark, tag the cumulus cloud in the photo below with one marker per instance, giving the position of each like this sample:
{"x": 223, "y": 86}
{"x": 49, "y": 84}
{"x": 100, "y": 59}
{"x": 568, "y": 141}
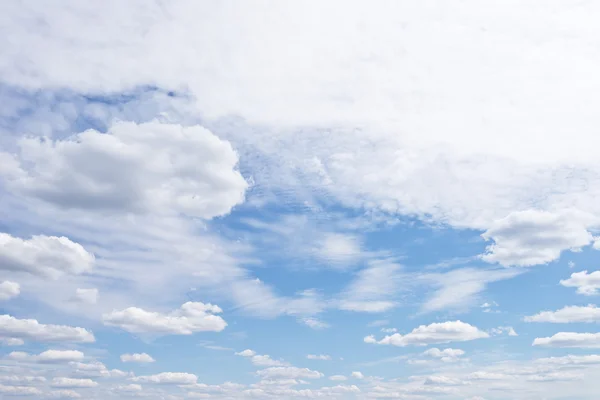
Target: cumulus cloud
{"x": 442, "y": 380}
{"x": 191, "y": 317}
{"x": 445, "y": 355}
{"x": 73, "y": 383}
{"x": 586, "y": 284}
{"x": 9, "y": 289}
{"x": 31, "y": 329}
{"x": 133, "y": 387}
{"x": 95, "y": 369}
{"x": 288, "y": 373}
{"x": 315, "y": 323}
{"x": 20, "y": 390}
{"x": 569, "y": 314}
{"x": 64, "y": 394}
{"x": 570, "y": 339}
{"x": 48, "y": 356}
{"x": 46, "y": 256}
{"x": 168, "y": 378}
{"x": 570, "y": 360}
{"x": 442, "y": 332}
{"x": 150, "y": 167}
{"x": 137, "y": 358}
{"x": 533, "y": 237}
{"x": 358, "y": 375}
{"x": 509, "y": 330}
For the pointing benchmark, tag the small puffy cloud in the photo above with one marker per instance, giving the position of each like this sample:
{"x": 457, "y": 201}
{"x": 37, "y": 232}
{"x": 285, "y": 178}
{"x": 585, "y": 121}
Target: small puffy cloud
{"x": 168, "y": 378}
{"x": 73, "y": 383}
{"x": 9, "y": 289}
{"x": 19, "y": 390}
{"x": 533, "y": 237}
{"x": 569, "y": 314}
{"x": 137, "y": 358}
{"x": 322, "y": 357}
{"x": 586, "y": 284}
{"x": 445, "y": 355}
{"x": 358, "y": 375}
{"x": 570, "y": 339}
{"x": 442, "y": 332}
{"x": 288, "y": 373}
{"x": 87, "y": 296}
{"x": 191, "y": 317}
{"x": 338, "y": 378}
{"x": 149, "y": 167}
{"x": 96, "y": 369}
{"x": 64, "y": 394}
{"x": 314, "y": 323}
{"x": 48, "y": 356}
{"x": 31, "y": 329}
{"x": 261, "y": 360}
{"x": 504, "y": 330}
{"x": 246, "y": 353}
{"x": 45, "y": 256}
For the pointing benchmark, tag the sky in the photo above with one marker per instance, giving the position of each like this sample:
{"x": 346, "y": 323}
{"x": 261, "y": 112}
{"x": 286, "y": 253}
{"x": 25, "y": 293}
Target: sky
{"x": 289, "y": 200}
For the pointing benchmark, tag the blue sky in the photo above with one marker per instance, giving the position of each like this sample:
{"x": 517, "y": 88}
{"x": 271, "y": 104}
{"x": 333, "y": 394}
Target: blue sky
{"x": 281, "y": 200}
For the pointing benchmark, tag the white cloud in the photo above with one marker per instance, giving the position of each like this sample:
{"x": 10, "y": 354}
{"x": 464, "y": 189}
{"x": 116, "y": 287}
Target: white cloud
{"x": 323, "y": 357}
{"x": 338, "y": 248}
{"x": 150, "y": 167}
{"x": 96, "y": 369}
{"x": 168, "y": 378}
{"x": 532, "y": 237}
{"x": 509, "y": 330}
{"x": 372, "y": 289}
{"x": 64, "y": 394}
{"x": 48, "y": 356}
{"x": 246, "y": 353}
{"x": 358, "y": 375}
{"x": 134, "y": 387}
{"x": 191, "y": 317}
{"x": 73, "y": 383}
{"x": 569, "y": 314}
{"x": 487, "y": 376}
{"x": 442, "y": 380}
{"x": 9, "y": 289}
{"x": 20, "y": 390}
{"x": 288, "y": 373}
{"x": 137, "y": 358}
{"x": 87, "y": 296}
{"x": 261, "y": 360}
{"x": 31, "y": 329}
{"x": 315, "y": 323}
{"x": 570, "y": 339}
{"x": 442, "y": 332}
{"x": 556, "y": 377}
{"x": 445, "y": 355}
{"x": 586, "y": 284}
{"x": 570, "y": 360}
{"x": 12, "y": 342}
{"x": 338, "y": 378}
{"x": 47, "y": 256}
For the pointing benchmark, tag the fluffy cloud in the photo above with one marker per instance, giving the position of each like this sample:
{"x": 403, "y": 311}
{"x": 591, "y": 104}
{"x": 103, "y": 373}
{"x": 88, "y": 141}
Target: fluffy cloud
{"x": 568, "y": 314}
{"x": 168, "y": 378}
{"x": 151, "y": 167}
{"x": 315, "y": 323}
{"x": 64, "y": 394}
{"x": 20, "y": 390}
{"x": 570, "y": 360}
{"x": 570, "y": 339}
{"x": 339, "y": 249}
{"x": 87, "y": 296}
{"x": 526, "y": 238}
{"x": 48, "y": 356}
{"x": 261, "y": 360}
{"x": 446, "y": 355}
{"x": 9, "y": 289}
{"x": 442, "y": 380}
{"x": 31, "y": 329}
{"x": 443, "y": 332}
{"x": 509, "y": 330}
{"x": 358, "y": 375}
{"x": 95, "y": 369}
{"x": 191, "y": 317}
{"x": 322, "y": 357}
{"x": 288, "y": 373}
{"x": 137, "y": 358}
{"x": 47, "y": 256}
{"x": 73, "y": 383}
{"x": 586, "y": 284}
{"x": 134, "y": 387}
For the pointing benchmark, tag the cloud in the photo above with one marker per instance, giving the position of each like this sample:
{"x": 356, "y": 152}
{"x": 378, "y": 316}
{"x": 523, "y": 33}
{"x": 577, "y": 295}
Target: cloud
{"x": 569, "y": 314}
{"x": 322, "y": 357}
{"x": 64, "y": 394}
{"x": 137, "y": 358}
{"x": 487, "y": 376}
{"x": 12, "y": 342}
{"x": 442, "y": 380}
{"x": 533, "y": 237}
{"x": 246, "y": 353}
{"x": 570, "y": 360}
{"x": 95, "y": 369}
{"x": 358, "y": 375}
{"x": 288, "y": 373}
{"x": 314, "y": 323}
{"x": 87, "y": 296}
{"x": 586, "y": 284}
{"x": 445, "y": 355}
{"x": 570, "y": 339}
{"x": 372, "y": 288}
{"x": 9, "y": 289}
{"x": 504, "y": 329}
{"x": 134, "y": 387}
{"x": 191, "y": 317}
{"x": 31, "y": 329}
{"x": 338, "y": 248}
{"x": 45, "y": 256}
{"x": 338, "y": 378}
{"x": 190, "y": 170}
{"x": 73, "y": 383}
{"x": 48, "y": 356}
{"x": 441, "y": 332}
{"x": 168, "y": 378}
{"x": 20, "y": 390}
